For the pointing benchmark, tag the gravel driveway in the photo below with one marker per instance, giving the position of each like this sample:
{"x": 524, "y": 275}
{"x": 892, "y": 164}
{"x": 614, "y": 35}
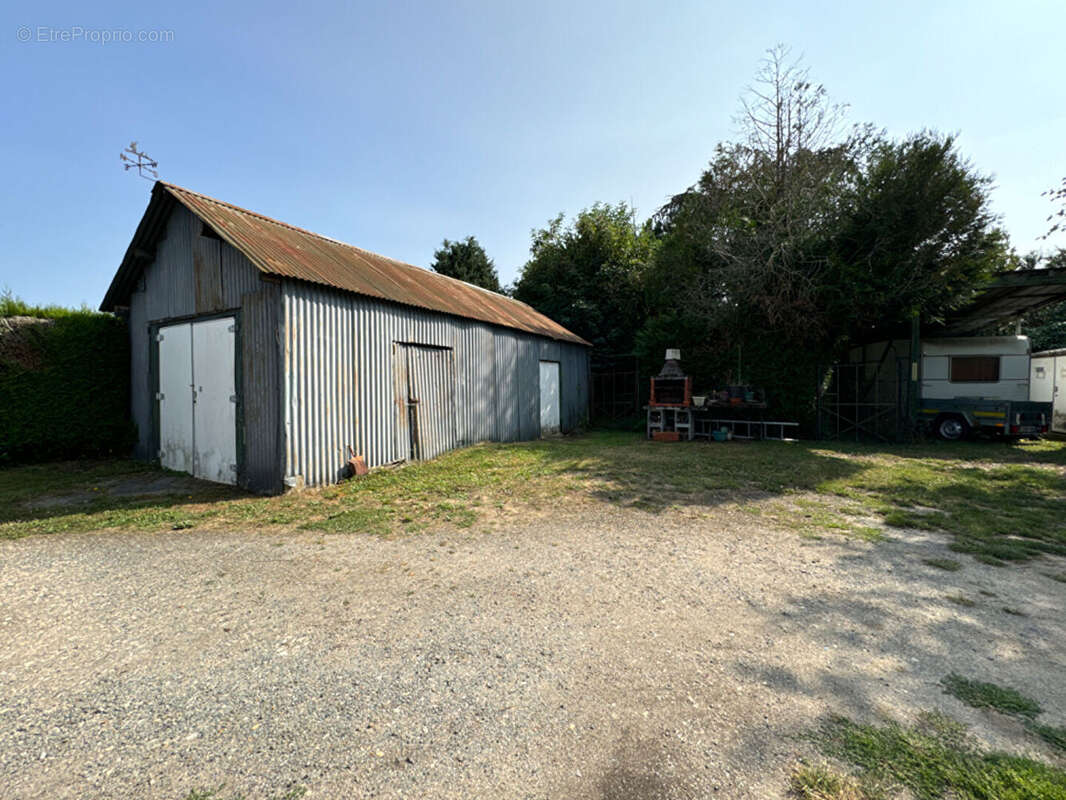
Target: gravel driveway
{"x": 601, "y": 653}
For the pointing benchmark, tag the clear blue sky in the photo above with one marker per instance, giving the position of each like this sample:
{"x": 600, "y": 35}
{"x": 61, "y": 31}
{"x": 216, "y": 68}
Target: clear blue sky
{"x": 393, "y": 125}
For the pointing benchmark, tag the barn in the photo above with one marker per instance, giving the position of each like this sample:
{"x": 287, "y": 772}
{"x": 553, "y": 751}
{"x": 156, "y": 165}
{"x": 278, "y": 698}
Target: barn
{"x": 262, "y": 354}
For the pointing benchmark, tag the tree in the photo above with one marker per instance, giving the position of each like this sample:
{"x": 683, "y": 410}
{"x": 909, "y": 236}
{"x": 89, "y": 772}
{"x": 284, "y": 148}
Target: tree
{"x": 917, "y": 235}
{"x": 817, "y": 236}
{"x": 751, "y": 235}
{"x": 467, "y": 261}
{"x": 1058, "y": 217}
{"x": 800, "y": 237}
{"x": 588, "y": 275}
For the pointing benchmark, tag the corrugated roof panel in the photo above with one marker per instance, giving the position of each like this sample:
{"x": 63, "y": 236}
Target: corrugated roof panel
{"x": 277, "y": 248}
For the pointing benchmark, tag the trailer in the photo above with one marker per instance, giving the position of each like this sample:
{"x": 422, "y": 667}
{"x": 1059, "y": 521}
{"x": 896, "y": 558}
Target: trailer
{"x": 1047, "y": 384}
{"x": 949, "y": 387}
{"x": 979, "y": 384}
{"x": 946, "y": 375}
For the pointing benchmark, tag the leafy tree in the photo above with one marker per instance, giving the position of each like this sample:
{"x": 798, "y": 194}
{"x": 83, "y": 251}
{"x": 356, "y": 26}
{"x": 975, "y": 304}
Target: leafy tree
{"x": 800, "y": 237}
{"x": 467, "y": 261}
{"x": 588, "y": 275}
{"x": 917, "y": 235}
{"x": 819, "y": 236}
{"x": 750, "y": 236}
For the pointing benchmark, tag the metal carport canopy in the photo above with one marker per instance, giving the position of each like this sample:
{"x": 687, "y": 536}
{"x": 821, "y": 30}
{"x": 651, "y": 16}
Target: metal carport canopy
{"x": 1007, "y": 297}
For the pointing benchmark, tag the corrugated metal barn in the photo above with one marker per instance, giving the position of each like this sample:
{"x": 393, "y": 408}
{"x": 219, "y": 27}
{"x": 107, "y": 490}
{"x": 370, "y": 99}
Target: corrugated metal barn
{"x": 262, "y": 352}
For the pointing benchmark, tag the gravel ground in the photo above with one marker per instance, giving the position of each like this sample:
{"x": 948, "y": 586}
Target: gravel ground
{"x": 601, "y": 653}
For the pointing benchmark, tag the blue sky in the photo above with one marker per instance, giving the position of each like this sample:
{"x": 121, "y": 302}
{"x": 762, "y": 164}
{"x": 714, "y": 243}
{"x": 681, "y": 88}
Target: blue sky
{"x": 393, "y": 125}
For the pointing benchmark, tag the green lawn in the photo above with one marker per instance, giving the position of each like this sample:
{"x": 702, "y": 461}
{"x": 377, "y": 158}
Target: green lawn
{"x": 999, "y": 502}
{"x": 934, "y": 759}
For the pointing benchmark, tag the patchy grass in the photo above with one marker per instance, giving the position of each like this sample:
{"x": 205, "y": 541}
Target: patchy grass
{"x": 812, "y": 518}
{"x": 823, "y": 782}
{"x": 996, "y": 510}
{"x": 989, "y": 695}
{"x": 357, "y": 520}
{"x": 999, "y": 502}
{"x": 937, "y": 758}
{"x": 946, "y": 564}
{"x": 1053, "y": 735}
{"x": 1006, "y": 701}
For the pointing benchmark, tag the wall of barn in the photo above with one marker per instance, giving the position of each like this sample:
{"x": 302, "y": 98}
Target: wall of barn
{"x": 194, "y": 275}
{"x": 339, "y": 383}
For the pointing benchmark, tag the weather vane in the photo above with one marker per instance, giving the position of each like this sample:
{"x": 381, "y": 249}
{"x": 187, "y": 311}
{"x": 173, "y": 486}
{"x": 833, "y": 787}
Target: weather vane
{"x": 142, "y": 162}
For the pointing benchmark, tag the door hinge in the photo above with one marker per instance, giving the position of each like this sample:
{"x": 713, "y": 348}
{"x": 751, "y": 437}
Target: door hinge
{"x": 232, "y": 328}
{"x": 160, "y": 455}
{"x": 232, "y": 467}
{"x": 159, "y": 395}
{"x": 159, "y": 337}
{"x": 233, "y": 398}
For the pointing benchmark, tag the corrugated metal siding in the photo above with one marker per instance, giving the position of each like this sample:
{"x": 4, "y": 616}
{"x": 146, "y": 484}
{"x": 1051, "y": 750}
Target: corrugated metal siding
{"x": 574, "y": 386}
{"x": 506, "y": 351}
{"x": 528, "y": 381}
{"x": 239, "y": 277}
{"x": 170, "y": 281}
{"x": 207, "y": 273}
{"x": 260, "y": 338}
{"x": 227, "y": 281}
{"x": 341, "y": 385}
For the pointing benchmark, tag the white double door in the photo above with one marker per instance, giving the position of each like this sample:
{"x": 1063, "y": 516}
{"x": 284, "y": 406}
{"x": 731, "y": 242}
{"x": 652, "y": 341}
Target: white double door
{"x": 198, "y": 399}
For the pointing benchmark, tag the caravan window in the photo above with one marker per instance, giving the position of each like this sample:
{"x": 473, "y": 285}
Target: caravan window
{"x": 974, "y": 369}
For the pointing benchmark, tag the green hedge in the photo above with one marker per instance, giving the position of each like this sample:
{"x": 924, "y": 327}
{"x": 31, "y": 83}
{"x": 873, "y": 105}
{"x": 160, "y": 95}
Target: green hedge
{"x": 64, "y": 387}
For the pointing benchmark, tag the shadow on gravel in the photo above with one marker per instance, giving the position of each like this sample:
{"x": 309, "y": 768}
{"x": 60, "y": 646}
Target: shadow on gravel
{"x": 639, "y": 770}
{"x": 917, "y": 626}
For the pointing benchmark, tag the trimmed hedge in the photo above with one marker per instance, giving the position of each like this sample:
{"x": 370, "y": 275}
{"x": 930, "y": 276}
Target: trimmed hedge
{"x": 64, "y": 387}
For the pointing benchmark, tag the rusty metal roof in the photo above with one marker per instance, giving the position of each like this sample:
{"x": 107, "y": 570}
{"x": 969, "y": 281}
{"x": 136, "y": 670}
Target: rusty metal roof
{"x": 276, "y": 248}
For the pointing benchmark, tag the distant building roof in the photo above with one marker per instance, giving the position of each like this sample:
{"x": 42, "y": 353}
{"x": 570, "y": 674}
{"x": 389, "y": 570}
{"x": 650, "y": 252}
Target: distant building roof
{"x": 276, "y": 248}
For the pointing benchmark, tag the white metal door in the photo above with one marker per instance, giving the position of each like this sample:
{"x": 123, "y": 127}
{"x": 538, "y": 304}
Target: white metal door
{"x": 549, "y": 397}
{"x": 1058, "y": 413}
{"x": 1042, "y": 380}
{"x": 214, "y": 400}
{"x": 175, "y": 397}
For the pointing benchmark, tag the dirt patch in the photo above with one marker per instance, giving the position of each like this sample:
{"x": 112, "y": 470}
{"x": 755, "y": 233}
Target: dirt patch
{"x": 150, "y": 484}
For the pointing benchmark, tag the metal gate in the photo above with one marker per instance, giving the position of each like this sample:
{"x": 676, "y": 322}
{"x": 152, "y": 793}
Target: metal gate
{"x": 198, "y": 399}
{"x": 865, "y": 400}
{"x": 617, "y": 391}
{"x": 425, "y": 379}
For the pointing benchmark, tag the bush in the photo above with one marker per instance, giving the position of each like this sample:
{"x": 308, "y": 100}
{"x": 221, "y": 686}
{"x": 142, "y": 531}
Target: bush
{"x": 64, "y": 384}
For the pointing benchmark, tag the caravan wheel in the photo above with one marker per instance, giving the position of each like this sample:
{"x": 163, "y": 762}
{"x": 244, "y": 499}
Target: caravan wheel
{"x": 951, "y": 428}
